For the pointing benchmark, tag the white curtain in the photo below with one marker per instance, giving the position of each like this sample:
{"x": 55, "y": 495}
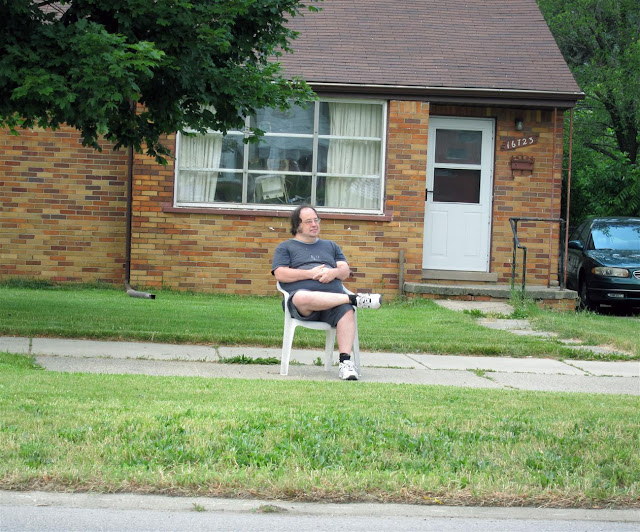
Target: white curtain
{"x": 195, "y": 184}
{"x": 354, "y": 157}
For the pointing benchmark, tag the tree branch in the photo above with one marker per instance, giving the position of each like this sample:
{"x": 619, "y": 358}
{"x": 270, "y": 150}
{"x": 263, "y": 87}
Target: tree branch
{"x": 602, "y": 150}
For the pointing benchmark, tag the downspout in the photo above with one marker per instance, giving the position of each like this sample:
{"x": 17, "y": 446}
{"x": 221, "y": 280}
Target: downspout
{"x": 566, "y": 235}
{"x": 127, "y": 263}
{"x": 553, "y": 190}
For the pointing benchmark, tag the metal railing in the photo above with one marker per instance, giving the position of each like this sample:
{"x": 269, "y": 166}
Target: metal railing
{"x": 517, "y": 245}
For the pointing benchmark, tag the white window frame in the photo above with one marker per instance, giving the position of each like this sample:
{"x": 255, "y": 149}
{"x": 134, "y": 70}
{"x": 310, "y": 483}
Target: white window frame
{"x": 314, "y": 174}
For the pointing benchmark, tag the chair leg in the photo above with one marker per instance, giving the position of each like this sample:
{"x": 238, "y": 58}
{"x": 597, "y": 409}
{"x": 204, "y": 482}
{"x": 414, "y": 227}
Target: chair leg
{"x": 287, "y": 342}
{"x": 328, "y": 349}
{"x": 356, "y": 349}
{"x": 356, "y": 354}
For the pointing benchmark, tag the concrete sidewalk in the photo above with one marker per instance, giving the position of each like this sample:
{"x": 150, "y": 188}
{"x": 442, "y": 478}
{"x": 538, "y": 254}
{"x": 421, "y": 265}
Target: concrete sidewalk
{"x": 617, "y": 377}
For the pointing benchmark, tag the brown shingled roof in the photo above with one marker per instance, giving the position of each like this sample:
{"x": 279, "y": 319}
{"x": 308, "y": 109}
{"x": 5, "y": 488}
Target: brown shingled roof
{"x": 484, "y": 46}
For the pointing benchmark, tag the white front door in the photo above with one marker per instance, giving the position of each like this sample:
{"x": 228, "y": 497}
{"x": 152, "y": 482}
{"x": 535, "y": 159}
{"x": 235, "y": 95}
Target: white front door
{"x": 459, "y": 193}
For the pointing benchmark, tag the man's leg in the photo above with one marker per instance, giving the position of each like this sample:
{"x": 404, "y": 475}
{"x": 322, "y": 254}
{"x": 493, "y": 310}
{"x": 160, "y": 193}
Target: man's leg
{"x": 307, "y": 301}
{"x": 346, "y": 332}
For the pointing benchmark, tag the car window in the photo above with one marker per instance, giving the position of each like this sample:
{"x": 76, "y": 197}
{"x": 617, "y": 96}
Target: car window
{"x": 584, "y": 233}
{"x": 618, "y": 237}
{"x": 577, "y": 232}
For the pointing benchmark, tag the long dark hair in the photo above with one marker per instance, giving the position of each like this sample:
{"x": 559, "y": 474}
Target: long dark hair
{"x": 295, "y": 217}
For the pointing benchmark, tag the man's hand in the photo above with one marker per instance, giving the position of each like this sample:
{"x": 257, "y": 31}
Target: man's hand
{"x": 323, "y": 274}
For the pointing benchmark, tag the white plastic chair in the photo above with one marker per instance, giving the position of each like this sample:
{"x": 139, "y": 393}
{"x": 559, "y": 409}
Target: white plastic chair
{"x": 290, "y": 325}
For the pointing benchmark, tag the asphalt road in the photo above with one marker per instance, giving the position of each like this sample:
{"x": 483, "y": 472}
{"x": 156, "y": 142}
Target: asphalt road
{"x": 48, "y": 512}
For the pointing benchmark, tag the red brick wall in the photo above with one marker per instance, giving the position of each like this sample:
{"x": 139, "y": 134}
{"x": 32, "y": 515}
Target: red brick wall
{"x": 63, "y": 208}
{"x": 232, "y": 252}
{"x": 535, "y": 195}
{"x": 63, "y": 214}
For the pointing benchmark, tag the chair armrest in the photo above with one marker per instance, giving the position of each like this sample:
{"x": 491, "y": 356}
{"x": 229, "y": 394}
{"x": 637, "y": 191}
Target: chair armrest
{"x": 280, "y": 289}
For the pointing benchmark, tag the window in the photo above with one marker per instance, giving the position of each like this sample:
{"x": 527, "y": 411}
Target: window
{"x": 456, "y": 174}
{"x": 618, "y": 236}
{"x": 329, "y": 154}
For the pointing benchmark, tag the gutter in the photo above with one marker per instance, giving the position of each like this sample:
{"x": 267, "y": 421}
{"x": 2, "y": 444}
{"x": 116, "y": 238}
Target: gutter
{"x": 127, "y": 263}
{"x": 459, "y": 95}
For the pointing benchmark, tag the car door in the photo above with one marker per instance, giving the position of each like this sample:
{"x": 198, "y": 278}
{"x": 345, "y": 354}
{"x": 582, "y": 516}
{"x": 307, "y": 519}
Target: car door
{"x": 575, "y": 256}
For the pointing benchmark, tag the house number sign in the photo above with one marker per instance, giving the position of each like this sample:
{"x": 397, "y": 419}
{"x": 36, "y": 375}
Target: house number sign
{"x": 513, "y": 143}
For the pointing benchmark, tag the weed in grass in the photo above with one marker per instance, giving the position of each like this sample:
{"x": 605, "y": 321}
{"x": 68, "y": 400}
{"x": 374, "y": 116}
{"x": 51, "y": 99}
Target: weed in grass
{"x": 481, "y": 373}
{"x": 45, "y": 284}
{"x": 23, "y": 282}
{"x": 476, "y": 313}
{"x": 35, "y": 454}
{"x": 243, "y": 359}
{"x": 10, "y": 362}
{"x": 270, "y": 509}
{"x": 523, "y": 307}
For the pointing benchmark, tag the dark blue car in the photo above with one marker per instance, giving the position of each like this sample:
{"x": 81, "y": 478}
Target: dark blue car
{"x": 603, "y": 264}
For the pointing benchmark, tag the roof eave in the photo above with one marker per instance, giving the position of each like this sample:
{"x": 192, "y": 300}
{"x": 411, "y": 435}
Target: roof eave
{"x": 456, "y": 95}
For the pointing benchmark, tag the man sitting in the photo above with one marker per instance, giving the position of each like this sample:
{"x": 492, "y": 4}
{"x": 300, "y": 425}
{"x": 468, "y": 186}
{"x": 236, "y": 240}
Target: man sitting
{"x": 312, "y": 271}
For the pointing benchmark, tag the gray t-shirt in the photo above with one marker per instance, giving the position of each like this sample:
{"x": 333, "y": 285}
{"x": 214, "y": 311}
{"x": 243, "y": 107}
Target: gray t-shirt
{"x": 296, "y": 254}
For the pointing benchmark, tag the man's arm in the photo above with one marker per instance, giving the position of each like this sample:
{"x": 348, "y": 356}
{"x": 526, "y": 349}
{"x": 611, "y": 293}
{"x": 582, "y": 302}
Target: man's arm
{"x": 285, "y": 274}
{"x": 321, "y": 273}
{"x": 342, "y": 271}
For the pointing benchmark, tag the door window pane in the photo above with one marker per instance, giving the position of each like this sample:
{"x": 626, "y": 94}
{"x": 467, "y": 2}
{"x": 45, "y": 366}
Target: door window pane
{"x": 457, "y": 186}
{"x": 458, "y": 146}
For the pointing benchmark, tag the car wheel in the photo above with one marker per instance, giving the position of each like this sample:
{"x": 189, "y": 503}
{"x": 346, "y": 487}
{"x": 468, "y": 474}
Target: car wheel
{"x": 585, "y": 301}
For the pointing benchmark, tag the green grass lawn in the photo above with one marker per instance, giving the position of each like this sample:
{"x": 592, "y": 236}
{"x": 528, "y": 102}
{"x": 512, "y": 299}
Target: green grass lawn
{"x": 410, "y": 326}
{"x": 301, "y": 440}
{"x": 308, "y": 440}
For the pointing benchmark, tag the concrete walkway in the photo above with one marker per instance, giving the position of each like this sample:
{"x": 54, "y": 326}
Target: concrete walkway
{"x": 617, "y": 377}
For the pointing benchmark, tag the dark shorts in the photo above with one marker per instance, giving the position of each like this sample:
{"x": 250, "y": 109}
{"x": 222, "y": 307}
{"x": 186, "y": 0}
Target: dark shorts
{"x": 331, "y": 316}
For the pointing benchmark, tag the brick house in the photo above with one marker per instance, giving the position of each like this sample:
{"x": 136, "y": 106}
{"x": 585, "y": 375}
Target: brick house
{"x": 436, "y": 122}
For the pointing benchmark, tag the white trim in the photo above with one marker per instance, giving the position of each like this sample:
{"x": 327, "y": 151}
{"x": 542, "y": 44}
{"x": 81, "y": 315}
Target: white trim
{"x": 313, "y": 174}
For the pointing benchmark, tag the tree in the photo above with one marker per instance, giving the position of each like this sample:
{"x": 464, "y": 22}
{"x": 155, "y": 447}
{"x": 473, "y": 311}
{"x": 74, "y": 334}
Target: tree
{"x": 134, "y": 70}
{"x": 600, "y": 40}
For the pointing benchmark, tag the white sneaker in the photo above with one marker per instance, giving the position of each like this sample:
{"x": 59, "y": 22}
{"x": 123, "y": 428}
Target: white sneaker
{"x": 368, "y": 300}
{"x": 347, "y": 371}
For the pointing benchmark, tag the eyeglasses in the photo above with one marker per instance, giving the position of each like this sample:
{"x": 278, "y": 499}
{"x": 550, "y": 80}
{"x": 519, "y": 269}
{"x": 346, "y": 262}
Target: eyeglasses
{"x": 312, "y": 221}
